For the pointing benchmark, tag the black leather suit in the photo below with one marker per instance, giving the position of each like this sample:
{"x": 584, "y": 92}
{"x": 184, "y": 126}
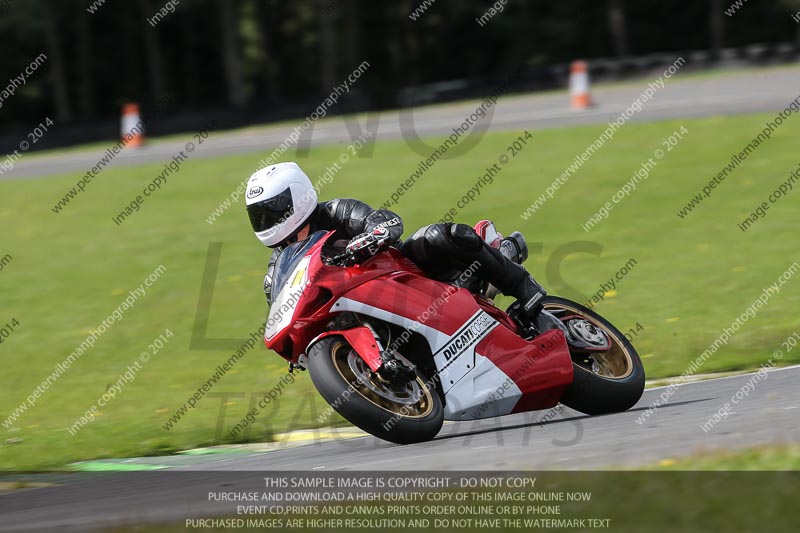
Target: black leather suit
{"x": 441, "y": 250}
{"x": 349, "y": 218}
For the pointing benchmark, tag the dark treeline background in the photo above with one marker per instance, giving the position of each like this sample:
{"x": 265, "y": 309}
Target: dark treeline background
{"x": 255, "y": 60}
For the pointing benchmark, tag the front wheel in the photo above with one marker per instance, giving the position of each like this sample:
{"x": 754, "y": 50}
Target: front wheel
{"x": 606, "y": 380}
{"x": 400, "y": 412}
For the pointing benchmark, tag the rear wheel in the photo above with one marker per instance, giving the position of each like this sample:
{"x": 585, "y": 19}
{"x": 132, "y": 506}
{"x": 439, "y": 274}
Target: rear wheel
{"x": 403, "y": 412}
{"x": 608, "y": 380}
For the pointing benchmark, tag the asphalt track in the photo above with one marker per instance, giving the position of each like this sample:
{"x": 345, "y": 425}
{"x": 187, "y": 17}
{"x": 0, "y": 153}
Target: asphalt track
{"x": 571, "y": 441}
{"x": 729, "y": 93}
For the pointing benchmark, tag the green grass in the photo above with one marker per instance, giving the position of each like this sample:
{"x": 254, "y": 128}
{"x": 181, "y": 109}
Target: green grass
{"x": 763, "y": 458}
{"x": 69, "y": 271}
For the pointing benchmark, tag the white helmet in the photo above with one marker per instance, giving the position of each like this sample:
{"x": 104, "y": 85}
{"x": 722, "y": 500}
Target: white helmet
{"x": 280, "y": 199}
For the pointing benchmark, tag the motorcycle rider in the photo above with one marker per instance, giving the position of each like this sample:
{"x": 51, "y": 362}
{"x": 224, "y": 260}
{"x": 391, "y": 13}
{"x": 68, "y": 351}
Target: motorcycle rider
{"x": 283, "y": 209}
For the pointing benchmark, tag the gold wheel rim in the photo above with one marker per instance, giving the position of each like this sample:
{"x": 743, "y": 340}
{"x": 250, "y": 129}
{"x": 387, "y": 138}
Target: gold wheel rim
{"x": 348, "y": 364}
{"x": 616, "y": 362}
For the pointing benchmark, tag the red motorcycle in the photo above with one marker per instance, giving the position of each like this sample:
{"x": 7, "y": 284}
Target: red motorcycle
{"x": 395, "y": 352}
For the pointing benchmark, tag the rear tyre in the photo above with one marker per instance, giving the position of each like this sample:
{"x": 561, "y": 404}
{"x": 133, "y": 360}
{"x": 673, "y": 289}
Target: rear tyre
{"x": 605, "y": 382}
{"x": 403, "y": 413}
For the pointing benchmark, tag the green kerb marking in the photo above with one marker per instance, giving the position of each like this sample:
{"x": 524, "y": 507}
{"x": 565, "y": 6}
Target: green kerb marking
{"x": 99, "y": 466}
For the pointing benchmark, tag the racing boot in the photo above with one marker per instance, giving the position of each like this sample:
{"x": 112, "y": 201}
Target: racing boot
{"x": 521, "y": 285}
{"x": 512, "y": 280}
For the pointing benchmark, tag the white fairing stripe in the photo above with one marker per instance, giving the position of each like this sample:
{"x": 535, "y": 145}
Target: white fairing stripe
{"x": 436, "y": 338}
{"x": 457, "y": 358}
{"x": 484, "y": 393}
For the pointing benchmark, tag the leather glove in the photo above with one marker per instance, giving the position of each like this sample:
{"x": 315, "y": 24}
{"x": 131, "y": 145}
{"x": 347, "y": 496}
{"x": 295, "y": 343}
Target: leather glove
{"x": 364, "y": 246}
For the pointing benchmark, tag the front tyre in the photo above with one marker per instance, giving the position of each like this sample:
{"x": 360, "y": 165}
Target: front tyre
{"x": 607, "y": 381}
{"x": 403, "y": 413}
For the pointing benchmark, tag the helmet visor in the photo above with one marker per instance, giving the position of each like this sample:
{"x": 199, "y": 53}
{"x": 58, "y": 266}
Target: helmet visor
{"x": 268, "y": 213}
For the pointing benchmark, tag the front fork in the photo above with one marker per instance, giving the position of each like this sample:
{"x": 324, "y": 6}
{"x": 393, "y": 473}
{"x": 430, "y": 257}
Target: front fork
{"x": 363, "y": 338}
{"x": 393, "y": 365}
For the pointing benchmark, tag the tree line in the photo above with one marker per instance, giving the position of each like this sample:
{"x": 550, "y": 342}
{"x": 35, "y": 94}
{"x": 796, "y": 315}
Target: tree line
{"x": 274, "y": 55}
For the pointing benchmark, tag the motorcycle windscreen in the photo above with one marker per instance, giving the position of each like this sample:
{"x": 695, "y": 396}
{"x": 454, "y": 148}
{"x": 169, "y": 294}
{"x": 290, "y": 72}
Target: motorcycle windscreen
{"x": 290, "y": 280}
{"x": 287, "y": 263}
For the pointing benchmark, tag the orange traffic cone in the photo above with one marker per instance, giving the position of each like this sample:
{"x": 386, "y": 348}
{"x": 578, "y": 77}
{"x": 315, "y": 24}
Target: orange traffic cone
{"x": 579, "y": 85}
{"x": 132, "y": 126}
